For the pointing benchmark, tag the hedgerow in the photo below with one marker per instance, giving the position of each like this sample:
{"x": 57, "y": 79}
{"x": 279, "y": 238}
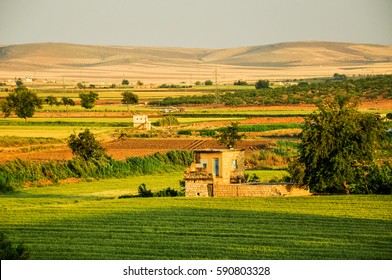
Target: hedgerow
{"x": 17, "y": 172}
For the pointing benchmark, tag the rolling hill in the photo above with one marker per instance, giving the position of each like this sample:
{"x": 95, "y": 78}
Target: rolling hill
{"x": 62, "y": 59}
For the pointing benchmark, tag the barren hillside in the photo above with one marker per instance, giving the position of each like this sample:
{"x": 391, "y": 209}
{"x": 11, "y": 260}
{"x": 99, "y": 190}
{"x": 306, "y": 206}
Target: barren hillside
{"x": 163, "y": 63}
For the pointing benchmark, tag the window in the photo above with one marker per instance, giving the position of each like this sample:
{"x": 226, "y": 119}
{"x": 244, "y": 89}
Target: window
{"x": 234, "y": 164}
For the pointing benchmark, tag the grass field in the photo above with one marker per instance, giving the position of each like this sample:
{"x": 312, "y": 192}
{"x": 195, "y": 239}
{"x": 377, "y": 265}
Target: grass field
{"x": 88, "y": 221}
{"x": 59, "y": 132}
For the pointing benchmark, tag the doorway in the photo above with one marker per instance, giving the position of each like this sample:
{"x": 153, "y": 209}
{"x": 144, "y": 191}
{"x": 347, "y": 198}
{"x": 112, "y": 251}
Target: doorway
{"x": 216, "y": 167}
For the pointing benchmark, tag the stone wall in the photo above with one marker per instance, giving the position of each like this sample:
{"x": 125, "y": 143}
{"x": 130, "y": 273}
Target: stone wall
{"x": 259, "y": 190}
{"x": 202, "y": 188}
{"x": 198, "y": 184}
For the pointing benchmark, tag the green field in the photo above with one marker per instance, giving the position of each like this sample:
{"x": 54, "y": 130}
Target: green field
{"x": 87, "y": 221}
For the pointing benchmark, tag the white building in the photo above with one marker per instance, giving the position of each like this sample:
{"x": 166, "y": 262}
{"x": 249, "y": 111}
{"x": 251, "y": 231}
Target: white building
{"x": 141, "y": 122}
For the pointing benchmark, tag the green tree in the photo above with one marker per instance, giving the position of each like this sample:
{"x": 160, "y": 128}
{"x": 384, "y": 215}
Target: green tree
{"x": 125, "y": 82}
{"x": 262, "y": 84}
{"x": 19, "y": 82}
{"x": 51, "y": 100}
{"x": 129, "y": 98}
{"x": 337, "y": 141}
{"x": 208, "y": 83}
{"x": 67, "y": 102}
{"x": 80, "y": 85}
{"x": 23, "y": 101}
{"x": 229, "y": 135}
{"x": 88, "y": 99}
{"x": 168, "y": 121}
{"x": 85, "y": 146}
{"x": 240, "y": 83}
{"x": 6, "y": 107}
{"x": 339, "y": 77}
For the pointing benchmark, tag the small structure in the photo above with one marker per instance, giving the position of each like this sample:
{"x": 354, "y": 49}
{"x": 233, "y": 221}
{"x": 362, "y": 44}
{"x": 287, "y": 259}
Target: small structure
{"x": 220, "y": 173}
{"x": 141, "y": 122}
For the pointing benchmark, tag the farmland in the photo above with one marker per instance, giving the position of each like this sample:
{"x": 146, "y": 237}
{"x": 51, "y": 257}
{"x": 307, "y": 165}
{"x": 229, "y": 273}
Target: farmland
{"x": 87, "y": 221}
{"x": 82, "y": 217}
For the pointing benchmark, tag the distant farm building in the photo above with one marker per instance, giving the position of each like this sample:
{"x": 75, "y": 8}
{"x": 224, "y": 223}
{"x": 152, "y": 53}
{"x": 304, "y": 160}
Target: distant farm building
{"x": 220, "y": 173}
{"x": 141, "y": 122}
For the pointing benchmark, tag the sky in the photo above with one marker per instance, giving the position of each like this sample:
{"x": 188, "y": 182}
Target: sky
{"x": 194, "y": 23}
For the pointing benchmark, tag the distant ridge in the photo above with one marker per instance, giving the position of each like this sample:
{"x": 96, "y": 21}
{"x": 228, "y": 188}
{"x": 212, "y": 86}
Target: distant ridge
{"x": 58, "y": 57}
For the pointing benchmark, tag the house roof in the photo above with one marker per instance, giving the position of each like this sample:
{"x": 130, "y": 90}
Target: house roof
{"x": 217, "y": 150}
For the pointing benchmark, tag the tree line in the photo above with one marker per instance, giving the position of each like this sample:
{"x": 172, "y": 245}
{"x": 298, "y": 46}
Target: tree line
{"x": 304, "y": 92}
{"x": 24, "y": 102}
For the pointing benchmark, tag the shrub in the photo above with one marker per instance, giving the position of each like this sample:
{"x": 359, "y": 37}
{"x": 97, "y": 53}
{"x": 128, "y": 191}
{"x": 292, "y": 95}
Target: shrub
{"x": 5, "y": 184}
{"x": 167, "y": 193}
{"x": 85, "y": 146}
{"x": 266, "y": 159}
{"x": 262, "y": 84}
{"x": 10, "y": 252}
{"x": 88, "y": 99}
{"x": 144, "y": 192}
{"x": 168, "y": 121}
{"x": 373, "y": 179}
{"x": 184, "y": 132}
{"x": 18, "y": 171}
{"x": 240, "y": 83}
{"x": 251, "y": 178}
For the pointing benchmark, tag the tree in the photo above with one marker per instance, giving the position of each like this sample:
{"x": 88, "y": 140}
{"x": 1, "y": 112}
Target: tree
{"x": 80, "y": 85}
{"x": 129, "y": 98}
{"x": 139, "y": 83}
{"x": 51, "y": 100}
{"x": 125, "y": 82}
{"x": 229, "y": 135}
{"x": 168, "y": 121}
{"x": 208, "y": 83}
{"x": 240, "y": 83}
{"x": 85, "y": 146}
{"x": 67, "y": 102}
{"x": 262, "y": 84}
{"x": 23, "y": 102}
{"x": 336, "y": 143}
{"x": 6, "y": 107}
{"x": 88, "y": 99}
{"x": 19, "y": 82}
{"x": 339, "y": 77}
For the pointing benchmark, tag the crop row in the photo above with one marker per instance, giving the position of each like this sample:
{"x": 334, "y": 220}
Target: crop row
{"x": 244, "y": 128}
{"x": 270, "y": 228}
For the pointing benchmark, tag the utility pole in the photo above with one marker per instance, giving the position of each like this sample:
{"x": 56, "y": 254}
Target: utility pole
{"x": 63, "y": 85}
{"x": 216, "y": 87}
{"x": 216, "y": 80}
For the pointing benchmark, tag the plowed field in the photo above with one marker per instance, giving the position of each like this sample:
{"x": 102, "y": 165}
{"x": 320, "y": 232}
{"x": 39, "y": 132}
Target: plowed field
{"x": 121, "y": 149}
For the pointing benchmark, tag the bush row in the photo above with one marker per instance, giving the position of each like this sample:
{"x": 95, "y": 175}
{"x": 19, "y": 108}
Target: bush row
{"x": 17, "y": 172}
{"x": 310, "y": 93}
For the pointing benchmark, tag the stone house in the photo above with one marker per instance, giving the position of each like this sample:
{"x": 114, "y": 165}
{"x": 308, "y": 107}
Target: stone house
{"x": 141, "y": 122}
{"x": 220, "y": 173}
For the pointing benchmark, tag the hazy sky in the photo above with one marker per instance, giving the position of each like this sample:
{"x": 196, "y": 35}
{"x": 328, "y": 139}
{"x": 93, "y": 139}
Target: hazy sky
{"x": 194, "y": 23}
